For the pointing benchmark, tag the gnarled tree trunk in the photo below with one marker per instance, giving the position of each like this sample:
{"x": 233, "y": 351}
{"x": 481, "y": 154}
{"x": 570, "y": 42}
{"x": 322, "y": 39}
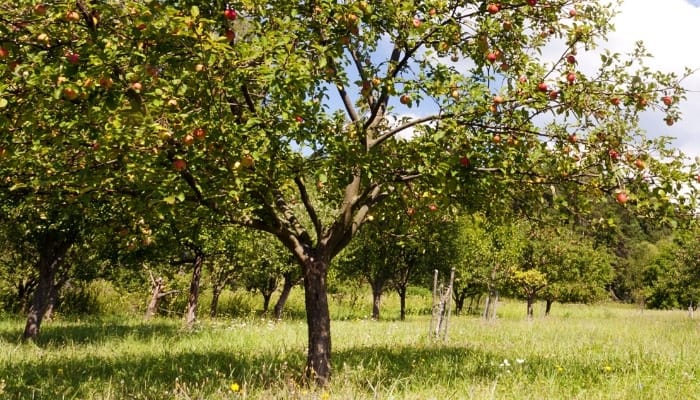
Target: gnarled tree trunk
{"x": 53, "y": 247}
{"x": 377, "y": 289}
{"x": 289, "y": 282}
{"x": 193, "y": 297}
{"x": 318, "y": 320}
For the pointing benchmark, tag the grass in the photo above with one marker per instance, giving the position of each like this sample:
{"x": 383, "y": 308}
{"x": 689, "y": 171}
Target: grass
{"x": 579, "y": 352}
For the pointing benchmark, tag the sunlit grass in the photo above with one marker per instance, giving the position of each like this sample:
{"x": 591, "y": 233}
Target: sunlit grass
{"x": 579, "y": 352}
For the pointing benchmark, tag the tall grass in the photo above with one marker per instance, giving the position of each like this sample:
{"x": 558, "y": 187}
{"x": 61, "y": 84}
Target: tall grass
{"x": 579, "y": 352}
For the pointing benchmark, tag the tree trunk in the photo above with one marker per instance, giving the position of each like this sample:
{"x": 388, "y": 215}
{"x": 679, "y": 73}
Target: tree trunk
{"x": 193, "y": 298}
{"x": 318, "y": 363}
{"x": 289, "y": 283}
{"x": 548, "y": 306}
{"x": 530, "y": 309}
{"x": 52, "y": 251}
{"x": 267, "y": 293}
{"x": 402, "y": 299}
{"x": 214, "y": 306}
{"x": 152, "y": 307}
{"x": 376, "y": 299}
{"x": 460, "y": 297}
{"x": 266, "y": 302}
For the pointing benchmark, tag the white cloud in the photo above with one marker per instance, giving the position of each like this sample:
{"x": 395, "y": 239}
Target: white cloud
{"x": 669, "y": 30}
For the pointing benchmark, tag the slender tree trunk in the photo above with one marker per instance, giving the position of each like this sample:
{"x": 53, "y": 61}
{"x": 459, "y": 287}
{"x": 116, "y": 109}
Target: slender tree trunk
{"x": 548, "y": 306}
{"x": 266, "y": 302}
{"x": 376, "y": 299}
{"x": 402, "y": 300}
{"x": 267, "y": 293}
{"x": 289, "y": 283}
{"x": 460, "y": 297}
{"x": 214, "y": 306}
{"x": 52, "y": 251}
{"x": 152, "y": 307}
{"x": 530, "y": 308}
{"x": 193, "y": 298}
{"x": 318, "y": 363}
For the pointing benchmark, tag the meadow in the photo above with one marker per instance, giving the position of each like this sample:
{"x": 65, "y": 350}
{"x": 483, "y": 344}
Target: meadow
{"x": 604, "y": 351}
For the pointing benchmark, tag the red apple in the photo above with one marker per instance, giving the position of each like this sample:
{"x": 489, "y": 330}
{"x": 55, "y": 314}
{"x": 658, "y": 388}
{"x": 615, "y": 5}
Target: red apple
{"x": 137, "y": 86}
{"x": 106, "y": 82}
{"x": 553, "y": 94}
{"x": 247, "y": 160}
{"x": 179, "y": 165}
{"x": 573, "y": 138}
{"x": 614, "y": 155}
{"x": 572, "y": 12}
{"x": 669, "y": 121}
{"x": 498, "y": 99}
{"x": 410, "y": 211}
{"x": 416, "y": 22}
{"x": 571, "y": 59}
{"x": 73, "y": 58}
{"x": 299, "y": 119}
{"x": 70, "y": 93}
{"x": 621, "y": 197}
{"x": 492, "y": 57}
{"x": 72, "y": 16}
{"x": 667, "y": 100}
{"x": 532, "y": 2}
{"x": 199, "y": 133}
{"x": 230, "y": 35}
{"x": 4, "y": 53}
{"x": 615, "y": 101}
{"x": 230, "y": 14}
{"x": 522, "y": 79}
{"x": 542, "y": 87}
{"x": 639, "y": 163}
{"x": 642, "y": 102}
{"x": 464, "y": 161}
{"x": 40, "y": 9}
{"x": 188, "y": 140}
{"x": 571, "y": 77}
{"x": 432, "y": 207}
{"x": 493, "y": 8}
{"x": 504, "y": 66}
{"x": 405, "y": 99}
{"x": 496, "y": 138}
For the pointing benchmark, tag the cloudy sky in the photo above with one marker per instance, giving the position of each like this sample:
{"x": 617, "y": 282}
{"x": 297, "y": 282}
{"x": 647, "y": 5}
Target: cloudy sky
{"x": 669, "y": 29}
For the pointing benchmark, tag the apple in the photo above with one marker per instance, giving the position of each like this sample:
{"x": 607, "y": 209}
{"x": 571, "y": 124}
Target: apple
{"x": 410, "y": 211}
{"x": 40, "y": 9}
{"x": 405, "y": 99}
{"x": 498, "y": 99}
{"x": 507, "y": 25}
{"x": 573, "y": 138}
{"x": 572, "y": 12}
{"x": 669, "y": 121}
{"x": 188, "y": 140}
{"x": 532, "y": 2}
{"x": 542, "y": 87}
{"x": 199, "y": 133}
{"x": 639, "y": 163}
{"x": 553, "y": 94}
{"x": 571, "y": 77}
{"x": 137, "y": 87}
{"x": 492, "y": 57}
{"x": 493, "y": 8}
{"x": 432, "y": 207}
{"x": 72, "y": 16}
{"x": 247, "y": 160}
{"x": 667, "y": 100}
{"x": 199, "y": 67}
{"x": 42, "y": 37}
{"x": 230, "y": 35}
{"x": 4, "y": 53}
{"x": 70, "y": 93}
{"x": 416, "y": 22}
{"x": 571, "y": 59}
{"x": 230, "y": 14}
{"x": 614, "y": 155}
{"x": 522, "y": 79}
{"x": 642, "y": 102}
{"x": 615, "y": 101}
{"x": 464, "y": 161}
{"x": 179, "y": 164}
{"x": 432, "y": 12}
{"x": 455, "y": 94}
{"x": 299, "y": 119}
{"x": 496, "y": 138}
{"x": 621, "y": 197}
{"x": 73, "y": 58}
{"x": 106, "y": 82}
{"x": 504, "y": 66}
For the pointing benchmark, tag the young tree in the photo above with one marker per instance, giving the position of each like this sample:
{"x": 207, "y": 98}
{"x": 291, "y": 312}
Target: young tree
{"x": 158, "y": 98}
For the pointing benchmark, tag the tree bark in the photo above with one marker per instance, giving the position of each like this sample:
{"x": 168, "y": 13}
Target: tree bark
{"x": 289, "y": 283}
{"x": 214, "y": 306}
{"x": 193, "y": 297}
{"x": 53, "y": 247}
{"x": 402, "y": 300}
{"x": 152, "y": 307}
{"x": 318, "y": 363}
{"x": 530, "y": 309}
{"x": 267, "y": 293}
{"x": 548, "y": 306}
{"x": 376, "y": 299}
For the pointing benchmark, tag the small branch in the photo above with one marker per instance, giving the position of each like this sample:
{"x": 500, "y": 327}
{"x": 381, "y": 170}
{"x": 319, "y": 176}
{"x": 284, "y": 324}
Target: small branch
{"x": 409, "y": 124}
{"x": 309, "y": 208}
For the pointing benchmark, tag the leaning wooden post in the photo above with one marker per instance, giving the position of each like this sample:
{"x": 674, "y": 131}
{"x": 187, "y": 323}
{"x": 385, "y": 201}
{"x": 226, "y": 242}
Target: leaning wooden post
{"x": 448, "y": 300}
{"x": 433, "y": 305}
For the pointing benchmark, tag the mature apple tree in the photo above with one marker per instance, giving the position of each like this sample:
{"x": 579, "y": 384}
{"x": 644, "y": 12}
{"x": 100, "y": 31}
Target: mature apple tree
{"x": 234, "y": 105}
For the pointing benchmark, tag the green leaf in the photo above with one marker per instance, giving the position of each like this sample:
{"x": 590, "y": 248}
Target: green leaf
{"x": 194, "y": 11}
{"x": 169, "y": 200}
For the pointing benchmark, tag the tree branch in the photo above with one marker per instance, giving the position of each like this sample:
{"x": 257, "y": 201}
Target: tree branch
{"x": 309, "y": 207}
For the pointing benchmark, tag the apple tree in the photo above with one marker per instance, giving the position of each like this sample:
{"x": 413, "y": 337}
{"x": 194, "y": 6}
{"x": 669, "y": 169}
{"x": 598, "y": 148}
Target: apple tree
{"x": 242, "y": 107}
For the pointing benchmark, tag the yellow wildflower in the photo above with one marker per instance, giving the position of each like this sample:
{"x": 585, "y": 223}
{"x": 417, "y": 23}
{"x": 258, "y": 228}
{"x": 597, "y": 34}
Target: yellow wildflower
{"x": 235, "y": 387}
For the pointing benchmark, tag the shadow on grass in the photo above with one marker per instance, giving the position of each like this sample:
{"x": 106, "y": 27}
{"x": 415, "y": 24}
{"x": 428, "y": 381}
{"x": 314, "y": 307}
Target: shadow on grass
{"x": 60, "y": 333}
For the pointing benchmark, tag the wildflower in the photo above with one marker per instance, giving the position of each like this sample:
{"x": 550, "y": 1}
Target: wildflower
{"x": 560, "y": 368}
{"x": 607, "y": 368}
{"x": 325, "y": 396}
{"x": 505, "y": 363}
{"x": 234, "y": 387}
{"x": 519, "y": 360}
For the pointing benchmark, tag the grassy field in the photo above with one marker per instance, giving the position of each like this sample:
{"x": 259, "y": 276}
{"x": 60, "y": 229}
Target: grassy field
{"x": 579, "y": 352}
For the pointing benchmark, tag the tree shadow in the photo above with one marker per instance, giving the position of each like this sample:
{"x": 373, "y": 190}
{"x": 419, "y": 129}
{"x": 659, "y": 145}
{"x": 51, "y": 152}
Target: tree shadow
{"x": 61, "y": 333}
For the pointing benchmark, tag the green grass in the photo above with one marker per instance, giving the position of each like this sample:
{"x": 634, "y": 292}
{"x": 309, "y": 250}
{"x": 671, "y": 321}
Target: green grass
{"x": 579, "y": 352}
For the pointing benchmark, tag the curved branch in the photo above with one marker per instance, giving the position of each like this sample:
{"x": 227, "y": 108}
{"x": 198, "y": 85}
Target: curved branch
{"x": 378, "y": 140}
{"x": 309, "y": 208}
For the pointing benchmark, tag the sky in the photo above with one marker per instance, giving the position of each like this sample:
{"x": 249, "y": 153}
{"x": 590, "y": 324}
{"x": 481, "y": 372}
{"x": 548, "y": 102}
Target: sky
{"x": 669, "y": 30}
